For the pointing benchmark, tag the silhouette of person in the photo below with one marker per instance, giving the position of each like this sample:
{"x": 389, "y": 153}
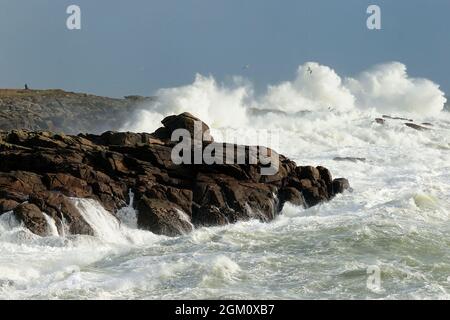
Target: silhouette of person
{"x": 26, "y": 86}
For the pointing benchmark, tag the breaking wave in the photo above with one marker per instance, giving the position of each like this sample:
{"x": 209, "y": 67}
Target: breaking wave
{"x": 384, "y": 88}
{"x": 396, "y": 218}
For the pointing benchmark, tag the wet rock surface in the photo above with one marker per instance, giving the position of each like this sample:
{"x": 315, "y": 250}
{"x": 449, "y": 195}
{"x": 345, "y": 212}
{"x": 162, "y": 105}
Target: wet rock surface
{"x": 416, "y": 126}
{"x": 425, "y": 126}
{"x": 40, "y": 171}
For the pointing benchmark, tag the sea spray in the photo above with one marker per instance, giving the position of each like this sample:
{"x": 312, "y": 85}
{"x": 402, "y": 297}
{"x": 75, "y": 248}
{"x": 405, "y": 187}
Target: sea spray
{"x": 385, "y": 88}
{"x": 396, "y": 219}
{"x": 51, "y": 225}
{"x": 184, "y": 217}
{"x": 108, "y": 227}
{"x": 127, "y": 215}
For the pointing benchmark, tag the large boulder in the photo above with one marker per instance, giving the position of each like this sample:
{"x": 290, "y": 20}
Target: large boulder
{"x": 340, "y": 185}
{"x": 416, "y": 127}
{"x": 186, "y": 121}
{"x": 162, "y": 217}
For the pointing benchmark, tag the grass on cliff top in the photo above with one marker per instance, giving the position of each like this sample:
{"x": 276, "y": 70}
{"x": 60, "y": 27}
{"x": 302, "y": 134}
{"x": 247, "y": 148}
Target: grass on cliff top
{"x": 22, "y": 93}
{"x": 12, "y": 93}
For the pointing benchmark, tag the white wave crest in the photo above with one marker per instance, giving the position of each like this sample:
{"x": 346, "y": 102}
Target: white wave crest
{"x": 385, "y": 88}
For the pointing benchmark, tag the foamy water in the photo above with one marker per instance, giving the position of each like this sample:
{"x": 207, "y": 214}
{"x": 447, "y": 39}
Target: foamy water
{"x": 396, "y": 218}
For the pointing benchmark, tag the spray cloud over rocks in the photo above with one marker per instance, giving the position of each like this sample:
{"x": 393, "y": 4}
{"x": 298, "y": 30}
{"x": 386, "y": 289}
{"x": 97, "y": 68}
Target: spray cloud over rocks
{"x": 388, "y": 88}
{"x": 384, "y": 88}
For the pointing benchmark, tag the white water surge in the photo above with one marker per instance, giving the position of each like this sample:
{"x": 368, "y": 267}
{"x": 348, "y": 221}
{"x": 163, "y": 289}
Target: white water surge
{"x": 397, "y": 218}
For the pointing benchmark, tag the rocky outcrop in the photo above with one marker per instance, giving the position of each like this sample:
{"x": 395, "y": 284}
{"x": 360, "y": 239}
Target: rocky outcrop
{"x": 416, "y": 126}
{"x": 61, "y": 111}
{"x": 410, "y": 124}
{"x": 40, "y": 171}
{"x": 351, "y": 159}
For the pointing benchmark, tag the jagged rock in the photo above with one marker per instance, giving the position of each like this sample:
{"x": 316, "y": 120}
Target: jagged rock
{"x": 7, "y": 205}
{"x": 397, "y": 118}
{"x": 352, "y": 159}
{"x": 327, "y": 178}
{"x": 185, "y": 121}
{"x": 40, "y": 170}
{"x": 293, "y": 196}
{"x": 67, "y": 184}
{"x": 162, "y": 217}
{"x": 312, "y": 196}
{"x": 340, "y": 185}
{"x": 308, "y": 172}
{"x": 18, "y": 185}
{"x": 63, "y": 212}
{"x": 33, "y": 218}
{"x": 409, "y": 124}
{"x": 325, "y": 175}
{"x": 416, "y": 127}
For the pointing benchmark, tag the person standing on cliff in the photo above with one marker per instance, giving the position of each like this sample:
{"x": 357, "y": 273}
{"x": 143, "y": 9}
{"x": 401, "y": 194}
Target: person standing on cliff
{"x": 26, "y": 86}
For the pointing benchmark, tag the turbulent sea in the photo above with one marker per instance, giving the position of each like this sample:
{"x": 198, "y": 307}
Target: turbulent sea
{"x": 395, "y": 220}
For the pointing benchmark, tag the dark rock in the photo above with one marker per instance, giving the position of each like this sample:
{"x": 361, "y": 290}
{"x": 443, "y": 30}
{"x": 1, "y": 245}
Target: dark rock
{"x": 126, "y": 139}
{"x": 68, "y": 185}
{"x": 397, "y": 118}
{"x": 185, "y": 121}
{"x": 229, "y": 200}
{"x": 6, "y": 283}
{"x": 39, "y": 171}
{"x": 308, "y": 172}
{"x": 7, "y": 205}
{"x": 380, "y": 121}
{"x": 417, "y": 127}
{"x": 325, "y": 175}
{"x": 340, "y": 185}
{"x": 352, "y": 159}
{"x": 305, "y": 184}
{"x": 327, "y": 178}
{"x": 312, "y": 196}
{"x": 136, "y": 98}
{"x": 18, "y": 185}
{"x": 294, "y": 196}
{"x": 210, "y": 215}
{"x": 33, "y": 218}
{"x": 62, "y": 211}
{"x": 162, "y": 217}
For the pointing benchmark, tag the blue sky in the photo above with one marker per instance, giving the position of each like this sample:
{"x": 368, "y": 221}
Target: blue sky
{"x": 138, "y": 46}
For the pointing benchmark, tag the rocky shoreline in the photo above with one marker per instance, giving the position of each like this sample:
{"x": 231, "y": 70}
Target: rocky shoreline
{"x": 41, "y": 170}
{"x": 62, "y": 111}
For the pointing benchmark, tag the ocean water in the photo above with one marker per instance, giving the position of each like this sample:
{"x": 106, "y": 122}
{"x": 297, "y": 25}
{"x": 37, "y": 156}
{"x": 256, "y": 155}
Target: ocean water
{"x": 396, "y": 220}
